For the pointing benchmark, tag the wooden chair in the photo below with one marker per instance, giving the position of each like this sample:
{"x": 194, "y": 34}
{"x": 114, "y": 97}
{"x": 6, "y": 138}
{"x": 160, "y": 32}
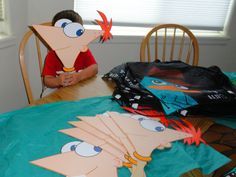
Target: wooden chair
{"x": 22, "y": 59}
{"x": 169, "y": 42}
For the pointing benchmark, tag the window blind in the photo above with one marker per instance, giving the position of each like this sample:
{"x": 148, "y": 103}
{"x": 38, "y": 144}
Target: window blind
{"x": 195, "y": 14}
{"x": 1, "y": 10}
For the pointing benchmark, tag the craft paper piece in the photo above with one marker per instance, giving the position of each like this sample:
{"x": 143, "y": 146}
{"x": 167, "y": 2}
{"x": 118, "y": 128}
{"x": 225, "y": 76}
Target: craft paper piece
{"x": 106, "y": 27}
{"x": 82, "y": 160}
{"x": 146, "y": 134}
{"x": 101, "y": 135}
{"x": 117, "y": 131}
{"x": 138, "y": 170}
{"x": 140, "y": 140}
{"x": 70, "y": 39}
{"x": 89, "y": 138}
{"x": 66, "y": 48}
{"x": 171, "y": 96}
{"x": 99, "y": 125}
{"x": 97, "y": 122}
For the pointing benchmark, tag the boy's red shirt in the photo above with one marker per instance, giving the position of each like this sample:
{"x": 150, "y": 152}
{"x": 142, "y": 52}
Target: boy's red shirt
{"x": 53, "y": 64}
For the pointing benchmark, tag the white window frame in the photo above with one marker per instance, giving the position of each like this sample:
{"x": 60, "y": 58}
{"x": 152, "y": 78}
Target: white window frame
{"x": 141, "y": 31}
{"x": 2, "y": 16}
{"x": 4, "y": 23}
{"x": 2, "y": 10}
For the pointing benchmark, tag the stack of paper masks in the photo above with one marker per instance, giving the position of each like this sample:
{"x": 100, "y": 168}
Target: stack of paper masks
{"x": 109, "y": 141}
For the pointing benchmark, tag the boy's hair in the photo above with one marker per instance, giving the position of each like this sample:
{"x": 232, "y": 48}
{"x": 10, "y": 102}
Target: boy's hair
{"x": 68, "y": 14}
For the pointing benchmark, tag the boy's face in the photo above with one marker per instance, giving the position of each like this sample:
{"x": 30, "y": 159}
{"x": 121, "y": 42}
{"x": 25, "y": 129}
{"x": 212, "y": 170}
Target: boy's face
{"x": 67, "y": 39}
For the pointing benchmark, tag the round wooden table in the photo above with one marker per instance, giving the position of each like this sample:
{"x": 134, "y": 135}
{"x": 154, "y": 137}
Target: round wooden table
{"x": 92, "y": 87}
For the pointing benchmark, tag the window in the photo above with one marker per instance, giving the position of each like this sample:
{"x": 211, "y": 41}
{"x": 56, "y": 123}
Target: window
{"x": 195, "y": 14}
{"x": 2, "y": 16}
{"x": 1, "y": 10}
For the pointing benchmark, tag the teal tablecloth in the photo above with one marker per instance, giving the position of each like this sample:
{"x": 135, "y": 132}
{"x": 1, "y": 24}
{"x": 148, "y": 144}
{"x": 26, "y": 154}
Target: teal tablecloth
{"x": 32, "y": 133}
{"x": 228, "y": 121}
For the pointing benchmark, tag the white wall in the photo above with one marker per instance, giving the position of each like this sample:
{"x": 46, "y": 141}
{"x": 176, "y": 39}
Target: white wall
{"x": 12, "y": 95}
{"x": 108, "y": 55}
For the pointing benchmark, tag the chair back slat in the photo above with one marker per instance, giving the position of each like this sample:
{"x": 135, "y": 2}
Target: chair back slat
{"x": 164, "y": 46}
{"x": 149, "y": 56}
{"x": 189, "y": 52}
{"x": 174, "y": 46}
{"x": 181, "y": 46}
{"x": 156, "y": 45}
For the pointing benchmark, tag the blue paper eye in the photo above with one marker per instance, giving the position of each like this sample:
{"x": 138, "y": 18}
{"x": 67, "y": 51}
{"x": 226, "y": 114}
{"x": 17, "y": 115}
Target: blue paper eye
{"x": 74, "y": 30}
{"x": 79, "y": 32}
{"x": 87, "y": 150}
{"x": 97, "y": 149}
{"x": 152, "y": 125}
{"x": 62, "y": 22}
{"x": 138, "y": 117}
{"x": 71, "y": 146}
{"x": 159, "y": 128}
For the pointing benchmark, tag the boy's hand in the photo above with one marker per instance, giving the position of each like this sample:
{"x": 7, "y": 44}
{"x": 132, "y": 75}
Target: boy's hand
{"x": 65, "y": 79}
{"x": 75, "y": 78}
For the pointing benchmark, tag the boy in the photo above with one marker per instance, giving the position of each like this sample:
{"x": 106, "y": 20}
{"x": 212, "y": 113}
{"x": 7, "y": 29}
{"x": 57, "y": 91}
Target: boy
{"x": 85, "y": 64}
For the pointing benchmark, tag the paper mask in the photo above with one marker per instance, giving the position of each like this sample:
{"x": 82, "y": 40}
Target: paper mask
{"x": 69, "y": 38}
{"x": 81, "y": 160}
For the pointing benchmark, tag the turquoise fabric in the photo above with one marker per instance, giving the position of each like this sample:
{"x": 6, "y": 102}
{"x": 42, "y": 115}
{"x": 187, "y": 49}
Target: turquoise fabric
{"x": 32, "y": 133}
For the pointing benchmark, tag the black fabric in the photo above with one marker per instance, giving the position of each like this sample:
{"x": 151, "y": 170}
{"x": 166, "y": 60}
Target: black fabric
{"x": 217, "y": 94}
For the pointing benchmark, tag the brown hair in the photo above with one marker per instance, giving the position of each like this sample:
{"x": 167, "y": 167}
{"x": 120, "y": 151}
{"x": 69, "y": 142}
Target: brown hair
{"x": 68, "y": 14}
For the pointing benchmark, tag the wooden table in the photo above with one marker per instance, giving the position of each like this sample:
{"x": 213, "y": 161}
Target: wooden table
{"x": 92, "y": 87}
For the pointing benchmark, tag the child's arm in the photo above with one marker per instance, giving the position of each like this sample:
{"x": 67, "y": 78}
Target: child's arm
{"x": 86, "y": 73}
{"x": 66, "y": 79}
{"x": 55, "y": 82}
